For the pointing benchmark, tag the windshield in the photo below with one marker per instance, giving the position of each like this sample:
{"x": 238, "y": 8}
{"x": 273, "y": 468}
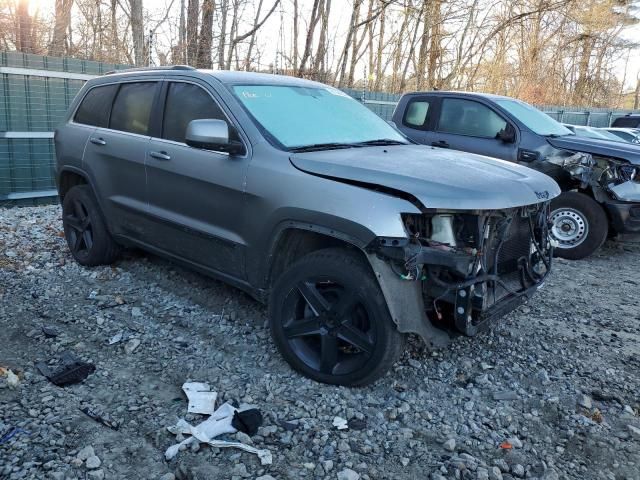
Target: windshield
{"x": 298, "y": 117}
{"x": 539, "y": 122}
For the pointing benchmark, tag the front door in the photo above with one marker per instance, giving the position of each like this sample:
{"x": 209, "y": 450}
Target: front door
{"x": 470, "y": 126}
{"x": 195, "y": 196}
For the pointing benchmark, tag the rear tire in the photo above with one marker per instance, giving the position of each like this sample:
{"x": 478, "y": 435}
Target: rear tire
{"x": 580, "y": 225}
{"x": 330, "y": 321}
{"x": 86, "y": 233}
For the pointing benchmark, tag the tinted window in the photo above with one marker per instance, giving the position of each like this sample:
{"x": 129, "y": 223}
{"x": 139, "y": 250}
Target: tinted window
{"x": 96, "y": 106}
{"x": 536, "y": 120}
{"x": 629, "y": 122}
{"x": 466, "y": 117}
{"x": 186, "y": 102}
{"x": 416, "y": 115}
{"x": 132, "y": 108}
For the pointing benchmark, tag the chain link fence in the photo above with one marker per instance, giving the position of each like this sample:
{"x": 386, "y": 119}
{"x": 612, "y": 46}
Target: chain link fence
{"x": 35, "y": 92}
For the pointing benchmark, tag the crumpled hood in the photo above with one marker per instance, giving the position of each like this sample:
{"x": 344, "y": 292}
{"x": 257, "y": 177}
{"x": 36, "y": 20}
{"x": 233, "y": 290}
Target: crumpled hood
{"x": 437, "y": 177}
{"x": 605, "y": 148}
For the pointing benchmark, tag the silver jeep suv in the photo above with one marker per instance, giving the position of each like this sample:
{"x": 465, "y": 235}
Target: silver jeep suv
{"x": 298, "y": 194}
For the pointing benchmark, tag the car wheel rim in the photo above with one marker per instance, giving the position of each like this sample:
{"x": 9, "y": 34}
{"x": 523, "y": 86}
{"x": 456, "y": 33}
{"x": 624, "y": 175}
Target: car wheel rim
{"x": 79, "y": 231}
{"x": 569, "y": 227}
{"x": 328, "y": 328}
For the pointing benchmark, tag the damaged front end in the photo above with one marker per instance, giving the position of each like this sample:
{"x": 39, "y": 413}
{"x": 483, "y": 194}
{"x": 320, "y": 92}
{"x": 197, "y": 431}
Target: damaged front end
{"x": 470, "y": 267}
{"x": 620, "y": 178}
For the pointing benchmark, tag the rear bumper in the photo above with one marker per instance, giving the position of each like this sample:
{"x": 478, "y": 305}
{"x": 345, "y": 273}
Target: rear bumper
{"x": 624, "y": 216}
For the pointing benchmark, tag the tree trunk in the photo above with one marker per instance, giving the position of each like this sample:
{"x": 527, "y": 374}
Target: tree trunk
{"x": 182, "y": 34}
{"x": 224, "y": 12}
{"x": 62, "y": 22}
{"x": 252, "y": 41}
{"x": 24, "y": 27}
{"x": 193, "y": 9}
{"x": 205, "y": 39}
{"x": 137, "y": 31}
{"x": 295, "y": 35}
{"x": 308, "y": 44}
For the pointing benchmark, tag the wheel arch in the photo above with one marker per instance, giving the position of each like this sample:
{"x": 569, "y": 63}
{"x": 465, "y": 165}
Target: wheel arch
{"x": 68, "y": 178}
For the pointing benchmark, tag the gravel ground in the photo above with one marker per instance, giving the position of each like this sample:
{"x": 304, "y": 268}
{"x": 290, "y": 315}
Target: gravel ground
{"x": 551, "y": 392}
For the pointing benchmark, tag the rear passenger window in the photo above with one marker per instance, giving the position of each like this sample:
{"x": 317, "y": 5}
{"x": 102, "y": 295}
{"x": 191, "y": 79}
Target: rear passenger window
{"x": 186, "y": 102}
{"x": 466, "y": 117}
{"x": 417, "y": 112}
{"x": 132, "y": 108}
{"x": 96, "y": 106}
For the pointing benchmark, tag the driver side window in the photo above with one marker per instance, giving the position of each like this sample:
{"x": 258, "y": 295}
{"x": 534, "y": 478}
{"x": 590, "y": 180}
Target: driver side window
{"x": 186, "y": 102}
{"x": 466, "y": 117}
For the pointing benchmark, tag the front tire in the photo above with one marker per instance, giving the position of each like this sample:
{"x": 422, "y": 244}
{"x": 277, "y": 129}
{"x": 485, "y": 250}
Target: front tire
{"x": 579, "y": 224}
{"x": 89, "y": 240}
{"x": 330, "y": 321}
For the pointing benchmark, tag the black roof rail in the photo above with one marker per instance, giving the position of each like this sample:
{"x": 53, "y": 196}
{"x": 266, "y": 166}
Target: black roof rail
{"x": 145, "y": 69}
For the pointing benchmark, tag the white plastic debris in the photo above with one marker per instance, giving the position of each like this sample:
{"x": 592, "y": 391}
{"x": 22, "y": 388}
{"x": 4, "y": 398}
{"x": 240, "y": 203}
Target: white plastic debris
{"x": 201, "y": 399}
{"x": 340, "y": 423}
{"x": 217, "y": 424}
{"x": 12, "y": 379}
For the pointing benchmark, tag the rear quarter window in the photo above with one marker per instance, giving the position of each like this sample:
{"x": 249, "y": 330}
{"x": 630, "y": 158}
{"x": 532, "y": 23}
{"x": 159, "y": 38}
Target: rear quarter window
{"x": 96, "y": 106}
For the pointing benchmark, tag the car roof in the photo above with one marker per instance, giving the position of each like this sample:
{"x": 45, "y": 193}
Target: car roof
{"x": 224, "y": 76}
{"x": 490, "y": 96}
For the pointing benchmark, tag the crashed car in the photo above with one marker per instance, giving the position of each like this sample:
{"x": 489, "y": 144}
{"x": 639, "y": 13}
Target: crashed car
{"x": 600, "y": 180}
{"x": 302, "y": 197}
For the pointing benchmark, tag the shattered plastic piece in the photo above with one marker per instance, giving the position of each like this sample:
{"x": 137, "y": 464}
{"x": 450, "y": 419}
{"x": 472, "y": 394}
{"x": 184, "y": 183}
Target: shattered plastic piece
{"x": 247, "y": 421}
{"x": 72, "y": 371}
{"x": 340, "y": 423}
{"x": 264, "y": 455}
{"x": 218, "y": 423}
{"x": 506, "y": 446}
{"x": 12, "y": 379}
{"x": 100, "y": 418}
{"x": 201, "y": 399}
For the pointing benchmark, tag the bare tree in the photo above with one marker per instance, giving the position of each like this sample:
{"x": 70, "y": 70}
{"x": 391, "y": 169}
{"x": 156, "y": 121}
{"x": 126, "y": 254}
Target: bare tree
{"x": 62, "y": 24}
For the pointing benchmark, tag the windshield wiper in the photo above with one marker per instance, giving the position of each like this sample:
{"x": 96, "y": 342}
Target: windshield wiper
{"x": 558, "y": 135}
{"x": 382, "y": 142}
{"x": 322, "y": 146}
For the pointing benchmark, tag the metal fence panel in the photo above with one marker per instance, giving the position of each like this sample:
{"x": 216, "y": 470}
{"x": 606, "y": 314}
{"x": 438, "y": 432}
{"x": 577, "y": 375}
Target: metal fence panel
{"x": 35, "y": 92}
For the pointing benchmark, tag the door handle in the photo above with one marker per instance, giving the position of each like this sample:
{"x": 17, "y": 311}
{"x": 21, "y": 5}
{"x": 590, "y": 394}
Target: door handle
{"x": 440, "y": 143}
{"x": 160, "y": 155}
{"x": 97, "y": 141}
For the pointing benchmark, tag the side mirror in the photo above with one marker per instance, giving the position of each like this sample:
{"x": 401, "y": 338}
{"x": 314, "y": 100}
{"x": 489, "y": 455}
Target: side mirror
{"x": 507, "y": 134}
{"x": 210, "y": 134}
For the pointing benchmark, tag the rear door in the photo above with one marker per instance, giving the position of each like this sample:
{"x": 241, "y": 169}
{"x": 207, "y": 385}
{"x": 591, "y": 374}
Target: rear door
{"x": 115, "y": 157}
{"x": 471, "y": 126}
{"x": 195, "y": 196}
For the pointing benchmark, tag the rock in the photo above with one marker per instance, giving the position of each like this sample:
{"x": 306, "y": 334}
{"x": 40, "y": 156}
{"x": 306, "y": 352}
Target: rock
{"x": 482, "y": 474}
{"x": 515, "y": 442}
{"x": 414, "y": 363}
{"x": 265, "y": 477}
{"x": 168, "y": 476}
{"x": 518, "y": 470}
{"x": 327, "y": 465}
{"x": 635, "y": 431}
{"x": 96, "y": 474}
{"x": 506, "y": 395}
{"x": 348, "y": 474}
{"x": 502, "y": 465}
{"x": 131, "y": 345}
{"x": 240, "y": 470}
{"x": 404, "y": 461}
{"x": 495, "y": 473}
{"x": 93, "y": 462}
{"x": 85, "y": 453}
{"x": 584, "y": 401}
{"x": 136, "y": 312}
{"x": 450, "y": 445}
